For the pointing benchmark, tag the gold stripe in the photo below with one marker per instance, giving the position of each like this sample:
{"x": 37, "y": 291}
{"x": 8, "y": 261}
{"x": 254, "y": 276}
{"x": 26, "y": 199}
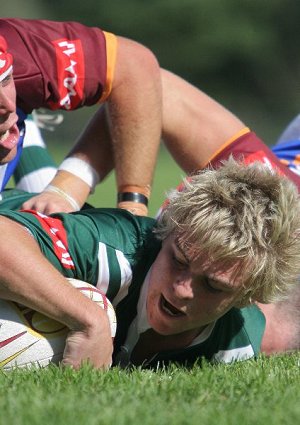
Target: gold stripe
{"x": 111, "y": 55}
{"x": 228, "y": 142}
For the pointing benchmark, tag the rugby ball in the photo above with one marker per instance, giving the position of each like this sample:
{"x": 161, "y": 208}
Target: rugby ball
{"x": 28, "y": 338}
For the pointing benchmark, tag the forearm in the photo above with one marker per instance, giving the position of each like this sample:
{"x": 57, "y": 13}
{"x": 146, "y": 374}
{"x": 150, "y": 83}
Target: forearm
{"x": 124, "y": 133}
{"x": 94, "y": 145}
{"x": 135, "y": 116}
{"x": 89, "y": 162}
{"x": 28, "y": 278}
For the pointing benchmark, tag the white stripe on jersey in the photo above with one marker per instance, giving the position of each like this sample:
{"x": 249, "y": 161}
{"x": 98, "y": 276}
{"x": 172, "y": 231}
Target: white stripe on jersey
{"x": 103, "y": 269}
{"x": 2, "y": 174}
{"x": 126, "y": 277}
{"x": 228, "y": 356}
{"x": 37, "y": 180}
{"x": 104, "y": 273}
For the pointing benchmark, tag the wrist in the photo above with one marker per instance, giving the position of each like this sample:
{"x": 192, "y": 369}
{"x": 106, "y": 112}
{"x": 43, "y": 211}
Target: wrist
{"x": 134, "y": 199}
{"x": 81, "y": 169}
{"x": 54, "y": 189}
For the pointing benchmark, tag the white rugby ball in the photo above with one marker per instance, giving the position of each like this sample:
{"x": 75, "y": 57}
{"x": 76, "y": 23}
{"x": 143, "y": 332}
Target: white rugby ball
{"x": 28, "y": 338}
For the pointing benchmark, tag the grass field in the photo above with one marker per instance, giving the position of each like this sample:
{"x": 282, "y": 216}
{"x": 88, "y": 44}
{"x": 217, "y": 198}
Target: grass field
{"x": 262, "y": 392}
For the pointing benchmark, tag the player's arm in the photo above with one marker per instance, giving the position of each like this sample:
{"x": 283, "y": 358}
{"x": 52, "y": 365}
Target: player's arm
{"x": 195, "y": 126}
{"x": 28, "y": 278}
{"x": 88, "y": 163}
{"x": 133, "y": 105}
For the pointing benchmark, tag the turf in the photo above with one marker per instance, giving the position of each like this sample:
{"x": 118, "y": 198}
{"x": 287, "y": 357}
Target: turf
{"x": 263, "y": 392}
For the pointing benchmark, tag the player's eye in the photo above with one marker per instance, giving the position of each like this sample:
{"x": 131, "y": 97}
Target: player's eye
{"x": 6, "y": 80}
{"x": 208, "y": 284}
{"x": 179, "y": 263}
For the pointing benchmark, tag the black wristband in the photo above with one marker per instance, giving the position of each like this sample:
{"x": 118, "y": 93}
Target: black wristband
{"x": 132, "y": 197}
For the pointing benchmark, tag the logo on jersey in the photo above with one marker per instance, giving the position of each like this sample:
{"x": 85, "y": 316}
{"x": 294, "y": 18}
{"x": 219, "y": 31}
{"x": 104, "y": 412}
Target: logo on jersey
{"x": 70, "y": 73}
{"x": 55, "y": 229}
{"x": 6, "y": 59}
{"x": 262, "y": 157}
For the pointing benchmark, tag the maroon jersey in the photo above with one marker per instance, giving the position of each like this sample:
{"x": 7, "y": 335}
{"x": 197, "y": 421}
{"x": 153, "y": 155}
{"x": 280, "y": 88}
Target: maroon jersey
{"x": 249, "y": 148}
{"x": 59, "y": 65}
{"x": 246, "y": 147}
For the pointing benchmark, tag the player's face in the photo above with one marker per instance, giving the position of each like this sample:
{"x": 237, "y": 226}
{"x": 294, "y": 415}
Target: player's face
{"x": 185, "y": 295}
{"x": 9, "y": 133}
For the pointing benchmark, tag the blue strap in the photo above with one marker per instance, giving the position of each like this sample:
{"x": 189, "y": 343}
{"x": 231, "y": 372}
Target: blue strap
{"x": 10, "y": 167}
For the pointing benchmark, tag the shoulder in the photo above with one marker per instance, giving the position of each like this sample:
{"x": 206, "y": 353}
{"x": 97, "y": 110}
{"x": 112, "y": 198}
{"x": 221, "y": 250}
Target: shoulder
{"x": 250, "y": 148}
{"x": 239, "y": 334}
{"x": 57, "y": 65}
{"x": 117, "y": 227}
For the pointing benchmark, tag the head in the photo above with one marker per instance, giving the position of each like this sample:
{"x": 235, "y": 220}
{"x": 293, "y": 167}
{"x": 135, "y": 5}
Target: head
{"x": 230, "y": 237}
{"x": 9, "y": 133}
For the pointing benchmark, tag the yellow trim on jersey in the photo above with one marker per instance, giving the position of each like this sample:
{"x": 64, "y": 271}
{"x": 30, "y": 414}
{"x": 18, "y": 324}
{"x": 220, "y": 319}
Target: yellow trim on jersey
{"x": 111, "y": 55}
{"x": 240, "y": 133}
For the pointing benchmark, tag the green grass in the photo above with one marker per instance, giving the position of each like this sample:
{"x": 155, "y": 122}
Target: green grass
{"x": 266, "y": 391}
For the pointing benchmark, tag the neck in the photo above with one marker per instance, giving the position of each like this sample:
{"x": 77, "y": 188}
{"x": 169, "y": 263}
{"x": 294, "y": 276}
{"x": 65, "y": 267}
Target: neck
{"x": 151, "y": 342}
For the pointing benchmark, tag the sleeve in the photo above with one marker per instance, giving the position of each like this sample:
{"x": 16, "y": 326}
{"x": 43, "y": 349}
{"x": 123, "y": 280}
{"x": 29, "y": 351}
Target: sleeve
{"x": 59, "y": 65}
{"x": 238, "y": 335}
{"x": 250, "y": 148}
{"x": 126, "y": 250}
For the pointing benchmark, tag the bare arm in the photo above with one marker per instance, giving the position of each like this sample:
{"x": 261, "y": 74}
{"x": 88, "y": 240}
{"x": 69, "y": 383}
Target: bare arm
{"x": 195, "y": 126}
{"x": 94, "y": 147}
{"x": 28, "y": 278}
{"x": 127, "y": 135}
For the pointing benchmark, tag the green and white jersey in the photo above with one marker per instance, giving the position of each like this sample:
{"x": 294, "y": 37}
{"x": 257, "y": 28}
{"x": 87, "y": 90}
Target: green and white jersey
{"x": 35, "y": 168}
{"x": 114, "y": 250}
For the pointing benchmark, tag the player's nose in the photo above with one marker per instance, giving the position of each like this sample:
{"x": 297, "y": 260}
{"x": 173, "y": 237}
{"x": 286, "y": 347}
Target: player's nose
{"x": 183, "y": 287}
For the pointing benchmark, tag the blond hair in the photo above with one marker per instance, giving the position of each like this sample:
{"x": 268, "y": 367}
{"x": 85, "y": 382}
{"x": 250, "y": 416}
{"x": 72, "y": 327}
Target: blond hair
{"x": 242, "y": 215}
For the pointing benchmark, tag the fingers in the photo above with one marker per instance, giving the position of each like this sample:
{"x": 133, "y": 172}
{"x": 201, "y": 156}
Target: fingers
{"x": 81, "y": 348}
{"x": 47, "y": 203}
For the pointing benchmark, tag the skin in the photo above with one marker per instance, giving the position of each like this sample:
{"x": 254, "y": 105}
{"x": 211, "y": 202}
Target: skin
{"x": 125, "y": 133}
{"x": 193, "y": 127}
{"x": 280, "y": 330}
{"x": 186, "y": 294}
{"x": 8, "y": 120}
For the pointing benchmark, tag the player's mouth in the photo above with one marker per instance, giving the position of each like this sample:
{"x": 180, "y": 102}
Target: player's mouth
{"x": 169, "y": 308}
{"x": 9, "y": 138}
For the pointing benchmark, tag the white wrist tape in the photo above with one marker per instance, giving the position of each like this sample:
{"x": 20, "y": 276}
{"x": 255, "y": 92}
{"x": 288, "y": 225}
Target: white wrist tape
{"x": 81, "y": 169}
{"x": 63, "y": 194}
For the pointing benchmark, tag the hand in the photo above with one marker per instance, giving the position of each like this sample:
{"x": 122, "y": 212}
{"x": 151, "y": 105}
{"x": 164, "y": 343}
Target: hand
{"x": 47, "y": 203}
{"x": 95, "y": 349}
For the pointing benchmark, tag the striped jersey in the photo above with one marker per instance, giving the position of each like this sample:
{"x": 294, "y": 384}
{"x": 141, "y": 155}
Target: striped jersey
{"x": 114, "y": 250}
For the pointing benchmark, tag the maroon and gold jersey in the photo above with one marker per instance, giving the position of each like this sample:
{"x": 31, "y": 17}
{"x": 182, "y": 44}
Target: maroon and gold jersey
{"x": 59, "y": 65}
{"x": 247, "y": 147}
